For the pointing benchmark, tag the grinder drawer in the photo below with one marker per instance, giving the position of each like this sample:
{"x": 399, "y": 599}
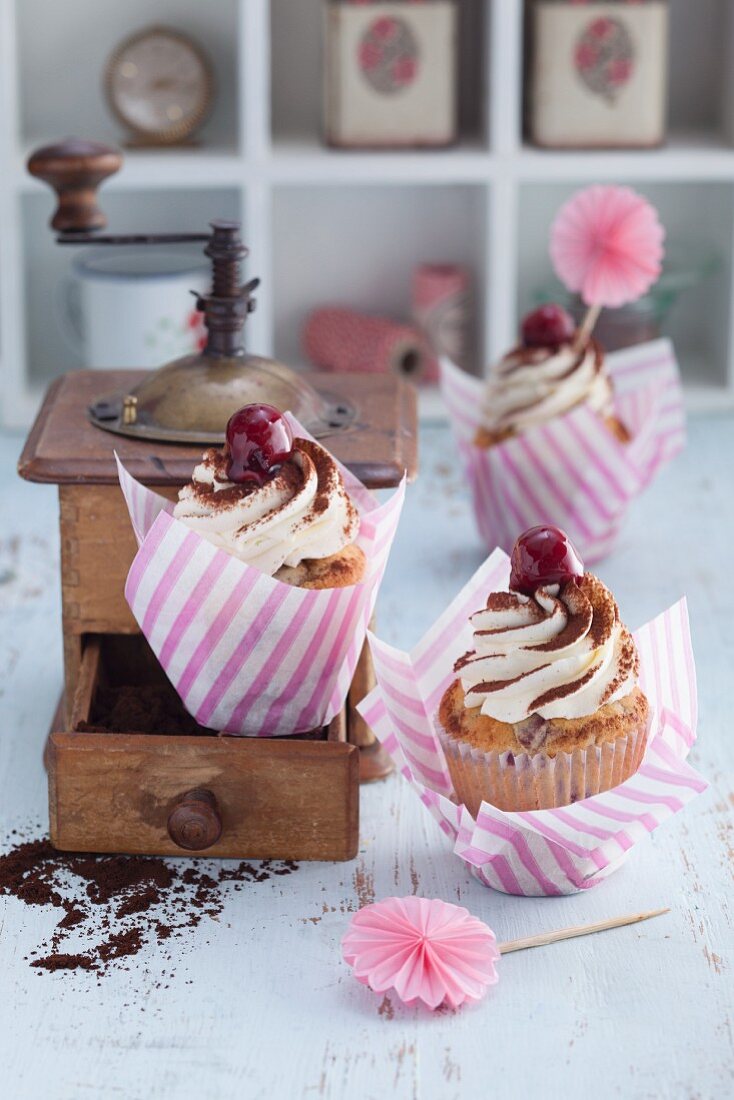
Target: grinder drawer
{"x": 167, "y": 792}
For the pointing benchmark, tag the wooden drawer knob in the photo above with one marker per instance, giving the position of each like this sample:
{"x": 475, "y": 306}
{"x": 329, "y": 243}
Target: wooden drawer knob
{"x": 194, "y": 822}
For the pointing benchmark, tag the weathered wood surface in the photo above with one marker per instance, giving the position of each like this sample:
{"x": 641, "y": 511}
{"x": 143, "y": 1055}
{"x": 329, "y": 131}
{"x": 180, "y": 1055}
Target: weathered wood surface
{"x": 263, "y": 1007}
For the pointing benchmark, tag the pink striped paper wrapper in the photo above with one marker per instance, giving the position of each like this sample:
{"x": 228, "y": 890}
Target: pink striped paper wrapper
{"x": 539, "y": 852}
{"x": 572, "y": 472}
{"x": 247, "y": 654}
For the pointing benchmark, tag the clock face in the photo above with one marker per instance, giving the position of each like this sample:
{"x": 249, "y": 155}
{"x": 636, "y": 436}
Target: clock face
{"x": 159, "y": 84}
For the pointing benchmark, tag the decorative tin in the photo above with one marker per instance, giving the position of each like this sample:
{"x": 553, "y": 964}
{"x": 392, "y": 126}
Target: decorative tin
{"x": 597, "y": 73}
{"x": 390, "y": 73}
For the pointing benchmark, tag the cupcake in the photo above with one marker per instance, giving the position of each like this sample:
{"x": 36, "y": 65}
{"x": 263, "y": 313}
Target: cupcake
{"x": 547, "y": 375}
{"x": 545, "y": 709}
{"x": 276, "y": 503}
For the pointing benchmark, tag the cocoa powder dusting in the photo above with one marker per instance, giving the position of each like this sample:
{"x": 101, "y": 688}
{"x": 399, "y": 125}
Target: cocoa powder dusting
{"x": 289, "y": 478}
{"x": 326, "y": 474}
{"x": 114, "y": 906}
{"x": 508, "y": 601}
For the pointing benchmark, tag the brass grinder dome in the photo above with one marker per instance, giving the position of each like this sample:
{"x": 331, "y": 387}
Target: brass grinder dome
{"x": 190, "y": 399}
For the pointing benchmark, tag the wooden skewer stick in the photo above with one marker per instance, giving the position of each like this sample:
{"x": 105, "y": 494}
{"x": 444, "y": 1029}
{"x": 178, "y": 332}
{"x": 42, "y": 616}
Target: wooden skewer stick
{"x": 577, "y": 930}
{"x": 586, "y": 327}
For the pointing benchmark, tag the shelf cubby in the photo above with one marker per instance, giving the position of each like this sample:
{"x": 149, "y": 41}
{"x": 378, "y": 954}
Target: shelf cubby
{"x": 323, "y": 254}
{"x": 62, "y": 50}
{"x": 50, "y": 343}
{"x": 700, "y": 60}
{"x": 298, "y": 66}
{"x": 699, "y": 217}
{"x": 699, "y": 91}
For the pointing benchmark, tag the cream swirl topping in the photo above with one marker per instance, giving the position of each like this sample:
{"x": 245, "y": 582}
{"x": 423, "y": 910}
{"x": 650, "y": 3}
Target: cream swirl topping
{"x": 531, "y": 385}
{"x": 561, "y": 653}
{"x": 302, "y": 512}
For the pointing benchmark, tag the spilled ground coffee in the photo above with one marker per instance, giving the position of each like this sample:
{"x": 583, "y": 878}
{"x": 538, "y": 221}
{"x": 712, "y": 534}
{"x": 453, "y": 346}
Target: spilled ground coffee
{"x": 115, "y": 905}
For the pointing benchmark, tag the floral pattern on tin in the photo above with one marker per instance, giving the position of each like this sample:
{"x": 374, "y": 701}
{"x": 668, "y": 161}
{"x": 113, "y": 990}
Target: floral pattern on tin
{"x": 604, "y": 56}
{"x": 388, "y": 55}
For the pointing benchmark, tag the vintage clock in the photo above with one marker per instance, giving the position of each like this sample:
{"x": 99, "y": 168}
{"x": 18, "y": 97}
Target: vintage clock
{"x": 159, "y": 84}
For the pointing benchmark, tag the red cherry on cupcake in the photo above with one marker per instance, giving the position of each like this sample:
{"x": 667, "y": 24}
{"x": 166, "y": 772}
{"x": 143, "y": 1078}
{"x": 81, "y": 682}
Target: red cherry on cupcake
{"x": 259, "y": 441}
{"x": 548, "y": 326}
{"x": 541, "y": 556}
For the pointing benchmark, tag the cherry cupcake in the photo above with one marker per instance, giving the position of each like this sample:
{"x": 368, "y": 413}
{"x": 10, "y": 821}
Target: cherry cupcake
{"x": 545, "y": 709}
{"x": 549, "y": 373}
{"x": 276, "y": 503}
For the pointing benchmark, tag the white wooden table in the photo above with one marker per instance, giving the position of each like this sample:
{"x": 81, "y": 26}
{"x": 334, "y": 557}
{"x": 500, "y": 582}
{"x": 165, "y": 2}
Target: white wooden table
{"x": 261, "y": 1004}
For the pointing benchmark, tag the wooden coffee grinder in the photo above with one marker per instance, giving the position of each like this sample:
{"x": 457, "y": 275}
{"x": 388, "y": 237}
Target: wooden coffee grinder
{"x": 169, "y": 792}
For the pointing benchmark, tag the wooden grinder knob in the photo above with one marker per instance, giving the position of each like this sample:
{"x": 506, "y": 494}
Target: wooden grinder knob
{"x": 194, "y": 822}
{"x": 74, "y": 168}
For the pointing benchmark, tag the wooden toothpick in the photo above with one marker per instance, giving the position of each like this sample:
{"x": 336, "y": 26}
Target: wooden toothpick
{"x": 577, "y": 930}
{"x": 586, "y": 327}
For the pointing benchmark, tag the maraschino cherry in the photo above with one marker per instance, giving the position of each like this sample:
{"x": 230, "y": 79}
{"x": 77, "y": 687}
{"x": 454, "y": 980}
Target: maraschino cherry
{"x": 548, "y": 326}
{"x": 259, "y": 441}
{"x": 541, "y": 556}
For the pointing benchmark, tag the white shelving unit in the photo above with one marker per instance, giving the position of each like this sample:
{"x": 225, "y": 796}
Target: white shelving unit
{"x": 329, "y": 226}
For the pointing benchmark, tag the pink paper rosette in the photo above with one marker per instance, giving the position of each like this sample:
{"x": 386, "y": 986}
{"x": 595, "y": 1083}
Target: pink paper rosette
{"x": 572, "y": 471}
{"x": 606, "y": 244}
{"x": 248, "y": 654}
{"x": 539, "y": 852}
{"x": 423, "y": 949}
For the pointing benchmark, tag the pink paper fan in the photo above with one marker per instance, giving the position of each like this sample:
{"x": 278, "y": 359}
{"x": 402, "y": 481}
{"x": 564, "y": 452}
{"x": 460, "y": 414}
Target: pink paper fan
{"x": 425, "y": 949}
{"x": 607, "y": 245}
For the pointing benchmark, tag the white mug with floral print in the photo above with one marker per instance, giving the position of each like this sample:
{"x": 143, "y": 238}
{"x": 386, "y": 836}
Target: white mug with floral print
{"x": 133, "y": 307}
